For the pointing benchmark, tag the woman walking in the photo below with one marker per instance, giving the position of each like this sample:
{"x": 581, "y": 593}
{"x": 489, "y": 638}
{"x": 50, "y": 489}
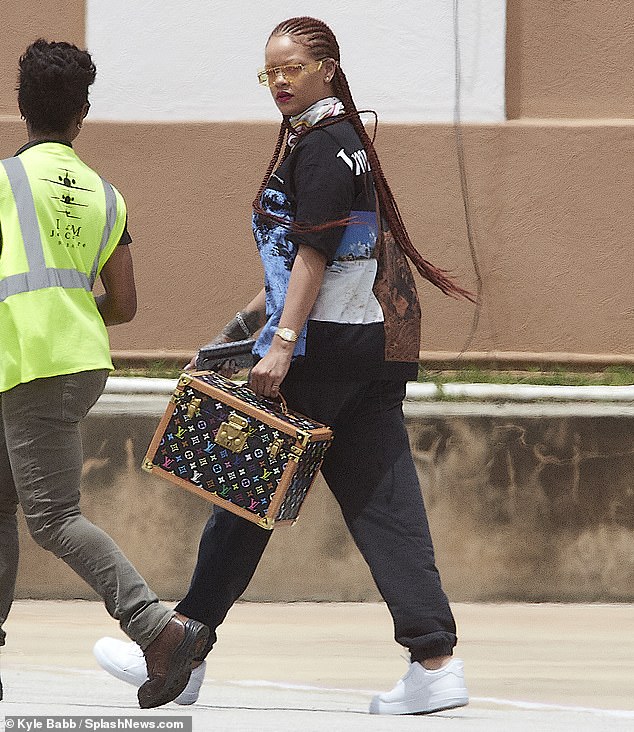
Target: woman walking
{"x": 339, "y": 325}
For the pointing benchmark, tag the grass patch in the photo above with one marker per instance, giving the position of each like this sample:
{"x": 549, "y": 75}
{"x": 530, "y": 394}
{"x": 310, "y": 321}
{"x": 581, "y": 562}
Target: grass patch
{"x": 152, "y": 370}
{"x": 612, "y": 376}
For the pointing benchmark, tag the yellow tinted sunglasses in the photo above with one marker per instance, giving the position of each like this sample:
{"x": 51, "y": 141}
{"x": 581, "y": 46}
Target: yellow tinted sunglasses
{"x": 268, "y": 77}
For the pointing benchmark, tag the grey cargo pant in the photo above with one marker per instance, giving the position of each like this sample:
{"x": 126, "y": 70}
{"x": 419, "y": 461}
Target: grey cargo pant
{"x": 40, "y": 468}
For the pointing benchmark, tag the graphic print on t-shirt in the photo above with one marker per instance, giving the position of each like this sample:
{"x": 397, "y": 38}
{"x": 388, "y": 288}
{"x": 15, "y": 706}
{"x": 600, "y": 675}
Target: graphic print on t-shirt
{"x": 325, "y": 179}
{"x": 278, "y": 254}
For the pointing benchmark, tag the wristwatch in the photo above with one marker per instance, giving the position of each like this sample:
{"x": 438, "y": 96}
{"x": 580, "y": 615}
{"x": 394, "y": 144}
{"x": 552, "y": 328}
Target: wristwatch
{"x": 286, "y": 334}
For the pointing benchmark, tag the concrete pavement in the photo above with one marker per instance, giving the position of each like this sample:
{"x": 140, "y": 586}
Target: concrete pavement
{"x": 315, "y": 666}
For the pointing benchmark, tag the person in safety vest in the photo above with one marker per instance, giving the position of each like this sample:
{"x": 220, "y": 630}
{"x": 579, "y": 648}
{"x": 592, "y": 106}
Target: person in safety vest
{"x": 61, "y": 227}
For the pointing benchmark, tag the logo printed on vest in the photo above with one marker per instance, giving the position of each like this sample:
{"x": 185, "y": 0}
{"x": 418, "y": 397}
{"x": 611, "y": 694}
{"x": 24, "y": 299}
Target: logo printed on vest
{"x": 67, "y": 234}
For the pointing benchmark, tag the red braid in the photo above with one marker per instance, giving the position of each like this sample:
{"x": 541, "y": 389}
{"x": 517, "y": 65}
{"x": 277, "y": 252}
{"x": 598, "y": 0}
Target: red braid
{"x": 281, "y": 139}
{"x": 322, "y": 43}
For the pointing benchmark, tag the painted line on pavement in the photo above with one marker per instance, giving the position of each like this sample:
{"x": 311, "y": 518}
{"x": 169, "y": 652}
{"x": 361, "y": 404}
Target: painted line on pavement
{"x": 250, "y": 683}
{"x": 623, "y": 713}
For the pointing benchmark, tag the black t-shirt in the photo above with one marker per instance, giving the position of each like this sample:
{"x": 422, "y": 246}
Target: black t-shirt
{"x": 327, "y": 178}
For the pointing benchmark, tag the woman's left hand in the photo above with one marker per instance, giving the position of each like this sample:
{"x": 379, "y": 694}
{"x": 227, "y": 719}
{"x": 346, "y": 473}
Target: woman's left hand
{"x": 268, "y": 373}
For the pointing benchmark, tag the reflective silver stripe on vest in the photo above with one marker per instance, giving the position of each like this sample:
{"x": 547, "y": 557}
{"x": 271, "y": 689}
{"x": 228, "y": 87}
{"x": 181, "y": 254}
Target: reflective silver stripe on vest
{"x": 40, "y": 276}
{"x": 31, "y": 281}
{"x": 111, "y": 219}
{"x": 29, "y": 225}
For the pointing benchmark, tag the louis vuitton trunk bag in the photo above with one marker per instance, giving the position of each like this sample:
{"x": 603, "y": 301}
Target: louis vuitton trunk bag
{"x": 249, "y": 455}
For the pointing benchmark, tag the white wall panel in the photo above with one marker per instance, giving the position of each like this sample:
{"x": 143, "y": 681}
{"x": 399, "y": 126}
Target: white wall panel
{"x": 196, "y": 59}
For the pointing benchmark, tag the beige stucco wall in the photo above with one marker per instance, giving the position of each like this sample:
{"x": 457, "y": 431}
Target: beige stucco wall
{"x": 550, "y": 200}
{"x": 570, "y": 58}
{"x": 21, "y": 22}
{"x": 550, "y": 206}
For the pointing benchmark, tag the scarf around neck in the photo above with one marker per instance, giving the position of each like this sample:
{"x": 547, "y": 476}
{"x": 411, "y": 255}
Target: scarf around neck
{"x": 323, "y": 109}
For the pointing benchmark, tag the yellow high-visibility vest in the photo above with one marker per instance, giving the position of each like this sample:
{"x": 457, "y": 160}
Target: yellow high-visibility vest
{"x": 59, "y": 223}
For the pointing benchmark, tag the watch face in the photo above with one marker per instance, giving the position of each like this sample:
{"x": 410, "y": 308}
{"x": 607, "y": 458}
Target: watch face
{"x": 286, "y": 334}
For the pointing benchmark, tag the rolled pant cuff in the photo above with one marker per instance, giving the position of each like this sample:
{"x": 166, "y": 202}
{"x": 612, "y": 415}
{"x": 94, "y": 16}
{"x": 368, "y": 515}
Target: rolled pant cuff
{"x": 435, "y": 644}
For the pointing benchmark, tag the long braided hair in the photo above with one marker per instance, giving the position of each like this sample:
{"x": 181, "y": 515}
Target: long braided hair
{"x": 319, "y": 39}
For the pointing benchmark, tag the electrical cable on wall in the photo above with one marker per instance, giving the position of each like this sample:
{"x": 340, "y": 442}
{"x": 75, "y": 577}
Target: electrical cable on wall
{"x": 457, "y": 121}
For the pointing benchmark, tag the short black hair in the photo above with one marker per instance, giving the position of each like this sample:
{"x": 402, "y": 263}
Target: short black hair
{"x": 53, "y": 84}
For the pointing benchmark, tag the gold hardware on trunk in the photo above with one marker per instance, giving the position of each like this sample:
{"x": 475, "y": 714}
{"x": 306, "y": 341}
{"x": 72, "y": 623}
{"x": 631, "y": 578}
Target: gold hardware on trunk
{"x": 233, "y": 433}
{"x": 275, "y": 447}
{"x": 296, "y": 453}
{"x": 180, "y": 399}
{"x": 193, "y": 408}
{"x": 147, "y": 465}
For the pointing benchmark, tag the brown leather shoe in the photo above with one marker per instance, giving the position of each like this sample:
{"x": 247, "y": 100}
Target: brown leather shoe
{"x": 169, "y": 660}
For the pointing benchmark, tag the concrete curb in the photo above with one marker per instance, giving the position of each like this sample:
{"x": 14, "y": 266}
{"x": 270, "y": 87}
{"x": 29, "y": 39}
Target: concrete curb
{"x": 520, "y": 392}
{"x": 126, "y": 385}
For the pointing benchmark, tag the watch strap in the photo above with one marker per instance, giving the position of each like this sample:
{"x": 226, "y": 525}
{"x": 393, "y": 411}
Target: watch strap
{"x": 286, "y": 334}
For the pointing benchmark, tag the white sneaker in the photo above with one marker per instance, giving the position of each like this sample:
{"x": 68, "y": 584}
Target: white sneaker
{"x": 421, "y": 691}
{"x": 125, "y": 661}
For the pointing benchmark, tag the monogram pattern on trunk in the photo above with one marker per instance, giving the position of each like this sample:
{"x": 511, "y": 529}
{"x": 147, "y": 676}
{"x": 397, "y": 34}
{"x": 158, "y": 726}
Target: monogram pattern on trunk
{"x": 249, "y": 397}
{"x": 247, "y": 479}
{"x": 302, "y": 480}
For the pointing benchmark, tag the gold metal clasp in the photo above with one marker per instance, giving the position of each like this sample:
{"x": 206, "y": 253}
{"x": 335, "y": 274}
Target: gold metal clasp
{"x": 193, "y": 408}
{"x": 297, "y": 450}
{"x": 295, "y": 453}
{"x": 233, "y": 433}
{"x": 275, "y": 447}
{"x": 193, "y": 405}
{"x": 303, "y": 438}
